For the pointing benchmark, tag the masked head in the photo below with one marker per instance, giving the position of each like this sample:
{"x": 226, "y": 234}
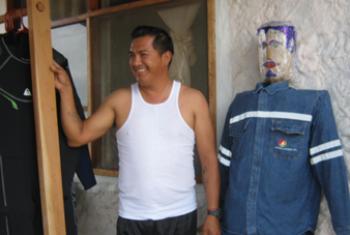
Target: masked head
{"x": 276, "y": 50}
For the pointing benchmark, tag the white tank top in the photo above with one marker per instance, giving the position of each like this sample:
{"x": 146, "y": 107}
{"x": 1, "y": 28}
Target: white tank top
{"x": 156, "y": 173}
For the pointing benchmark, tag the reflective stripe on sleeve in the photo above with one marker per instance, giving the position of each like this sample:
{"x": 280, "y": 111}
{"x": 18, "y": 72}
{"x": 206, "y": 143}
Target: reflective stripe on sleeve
{"x": 224, "y": 161}
{"x": 225, "y": 151}
{"x": 326, "y": 156}
{"x": 325, "y": 146}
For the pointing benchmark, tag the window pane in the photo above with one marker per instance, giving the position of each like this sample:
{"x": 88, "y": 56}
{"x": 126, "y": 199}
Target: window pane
{"x": 2, "y": 7}
{"x": 2, "y": 28}
{"x": 71, "y": 41}
{"x": 67, "y": 8}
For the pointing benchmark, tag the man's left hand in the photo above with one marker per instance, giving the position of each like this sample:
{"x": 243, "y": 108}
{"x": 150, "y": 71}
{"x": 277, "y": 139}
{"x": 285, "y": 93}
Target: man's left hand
{"x": 211, "y": 226}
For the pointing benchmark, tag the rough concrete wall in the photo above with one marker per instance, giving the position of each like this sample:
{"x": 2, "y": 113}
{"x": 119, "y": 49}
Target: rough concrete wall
{"x": 323, "y": 55}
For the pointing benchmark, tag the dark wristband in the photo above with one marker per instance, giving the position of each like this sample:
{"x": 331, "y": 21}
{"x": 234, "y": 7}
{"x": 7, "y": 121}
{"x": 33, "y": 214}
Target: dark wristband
{"x": 215, "y": 212}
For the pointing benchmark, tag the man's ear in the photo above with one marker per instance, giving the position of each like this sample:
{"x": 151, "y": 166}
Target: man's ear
{"x": 167, "y": 57}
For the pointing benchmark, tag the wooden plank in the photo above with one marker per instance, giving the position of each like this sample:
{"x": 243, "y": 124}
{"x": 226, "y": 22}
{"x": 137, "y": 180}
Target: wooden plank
{"x": 95, "y": 11}
{"x": 89, "y": 63}
{"x": 105, "y": 172}
{"x": 125, "y": 6}
{"x": 69, "y": 20}
{"x": 89, "y": 73}
{"x": 212, "y": 59}
{"x": 45, "y": 117}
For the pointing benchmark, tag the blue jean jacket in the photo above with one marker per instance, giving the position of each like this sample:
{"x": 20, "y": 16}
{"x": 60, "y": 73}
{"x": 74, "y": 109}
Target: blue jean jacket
{"x": 279, "y": 152}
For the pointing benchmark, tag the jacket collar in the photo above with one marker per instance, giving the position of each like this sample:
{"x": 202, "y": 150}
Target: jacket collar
{"x": 271, "y": 88}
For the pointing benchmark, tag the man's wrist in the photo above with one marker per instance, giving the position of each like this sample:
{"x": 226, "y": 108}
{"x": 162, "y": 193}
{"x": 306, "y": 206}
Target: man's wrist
{"x": 215, "y": 212}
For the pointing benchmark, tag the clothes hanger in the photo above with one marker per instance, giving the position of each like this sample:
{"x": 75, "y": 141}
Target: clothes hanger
{"x": 17, "y": 32}
{"x": 13, "y": 20}
{"x": 14, "y": 25}
{"x": 22, "y": 28}
{"x": 16, "y": 38}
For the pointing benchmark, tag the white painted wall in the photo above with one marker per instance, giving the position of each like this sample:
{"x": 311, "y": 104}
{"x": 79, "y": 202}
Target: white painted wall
{"x": 323, "y": 55}
{"x": 2, "y": 12}
{"x": 75, "y": 36}
{"x": 2, "y": 7}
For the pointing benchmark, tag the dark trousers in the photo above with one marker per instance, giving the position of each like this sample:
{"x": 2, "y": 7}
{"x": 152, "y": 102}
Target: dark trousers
{"x": 179, "y": 225}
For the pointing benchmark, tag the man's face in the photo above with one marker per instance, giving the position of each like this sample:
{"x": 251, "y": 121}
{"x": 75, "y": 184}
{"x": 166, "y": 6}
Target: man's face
{"x": 145, "y": 62}
{"x": 275, "y": 59}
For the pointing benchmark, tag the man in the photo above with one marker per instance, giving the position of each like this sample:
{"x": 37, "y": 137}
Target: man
{"x": 158, "y": 121}
{"x": 280, "y": 150}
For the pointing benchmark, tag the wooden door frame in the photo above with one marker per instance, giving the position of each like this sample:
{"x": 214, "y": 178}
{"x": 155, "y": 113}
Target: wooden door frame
{"x": 46, "y": 128}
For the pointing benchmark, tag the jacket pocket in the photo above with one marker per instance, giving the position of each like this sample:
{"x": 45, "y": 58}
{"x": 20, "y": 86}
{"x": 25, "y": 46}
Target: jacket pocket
{"x": 286, "y": 159}
{"x": 287, "y": 138}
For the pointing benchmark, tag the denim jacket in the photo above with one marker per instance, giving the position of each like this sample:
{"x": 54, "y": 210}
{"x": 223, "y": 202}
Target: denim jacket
{"x": 279, "y": 152}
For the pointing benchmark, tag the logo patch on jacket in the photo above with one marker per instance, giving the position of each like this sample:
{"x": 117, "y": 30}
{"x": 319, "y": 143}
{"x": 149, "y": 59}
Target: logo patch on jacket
{"x": 282, "y": 143}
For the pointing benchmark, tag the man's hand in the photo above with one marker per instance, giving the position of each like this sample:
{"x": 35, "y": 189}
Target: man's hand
{"x": 211, "y": 226}
{"x": 62, "y": 81}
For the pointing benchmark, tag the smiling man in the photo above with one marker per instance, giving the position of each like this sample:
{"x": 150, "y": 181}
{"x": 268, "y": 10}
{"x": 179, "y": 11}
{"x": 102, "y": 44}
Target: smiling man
{"x": 158, "y": 123}
{"x": 280, "y": 151}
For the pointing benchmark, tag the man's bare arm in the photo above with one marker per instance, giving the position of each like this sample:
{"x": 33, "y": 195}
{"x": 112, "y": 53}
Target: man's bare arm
{"x": 205, "y": 141}
{"x": 80, "y": 132}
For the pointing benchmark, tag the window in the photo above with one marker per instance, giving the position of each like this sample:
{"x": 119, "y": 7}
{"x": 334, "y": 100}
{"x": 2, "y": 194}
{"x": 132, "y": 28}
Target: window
{"x": 96, "y": 37}
{"x": 71, "y": 41}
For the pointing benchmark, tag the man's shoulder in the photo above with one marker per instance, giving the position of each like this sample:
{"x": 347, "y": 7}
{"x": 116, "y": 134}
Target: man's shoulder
{"x": 120, "y": 102}
{"x": 118, "y": 98}
{"x": 193, "y": 98}
{"x": 191, "y": 93}
{"x": 121, "y": 93}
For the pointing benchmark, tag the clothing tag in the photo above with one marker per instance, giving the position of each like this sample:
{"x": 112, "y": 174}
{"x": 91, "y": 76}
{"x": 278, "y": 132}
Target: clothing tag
{"x": 27, "y": 92}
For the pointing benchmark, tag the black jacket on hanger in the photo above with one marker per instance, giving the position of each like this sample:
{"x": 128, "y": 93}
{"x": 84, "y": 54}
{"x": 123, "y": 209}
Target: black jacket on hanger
{"x": 20, "y": 211}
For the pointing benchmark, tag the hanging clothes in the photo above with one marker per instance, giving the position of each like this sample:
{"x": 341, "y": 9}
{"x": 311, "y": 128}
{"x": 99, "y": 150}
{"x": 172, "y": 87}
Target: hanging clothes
{"x": 20, "y": 211}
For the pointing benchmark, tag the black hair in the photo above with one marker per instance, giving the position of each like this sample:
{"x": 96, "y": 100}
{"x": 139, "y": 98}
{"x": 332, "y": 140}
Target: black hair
{"x": 162, "y": 41}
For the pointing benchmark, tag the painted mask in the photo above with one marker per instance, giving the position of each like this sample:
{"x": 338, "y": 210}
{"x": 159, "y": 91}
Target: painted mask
{"x": 276, "y": 50}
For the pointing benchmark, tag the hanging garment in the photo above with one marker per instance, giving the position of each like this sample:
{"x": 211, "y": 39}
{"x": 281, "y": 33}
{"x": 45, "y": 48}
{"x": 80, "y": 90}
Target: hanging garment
{"x": 20, "y": 211}
{"x": 279, "y": 150}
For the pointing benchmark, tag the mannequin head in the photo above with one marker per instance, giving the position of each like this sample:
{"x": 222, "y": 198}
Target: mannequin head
{"x": 276, "y": 50}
